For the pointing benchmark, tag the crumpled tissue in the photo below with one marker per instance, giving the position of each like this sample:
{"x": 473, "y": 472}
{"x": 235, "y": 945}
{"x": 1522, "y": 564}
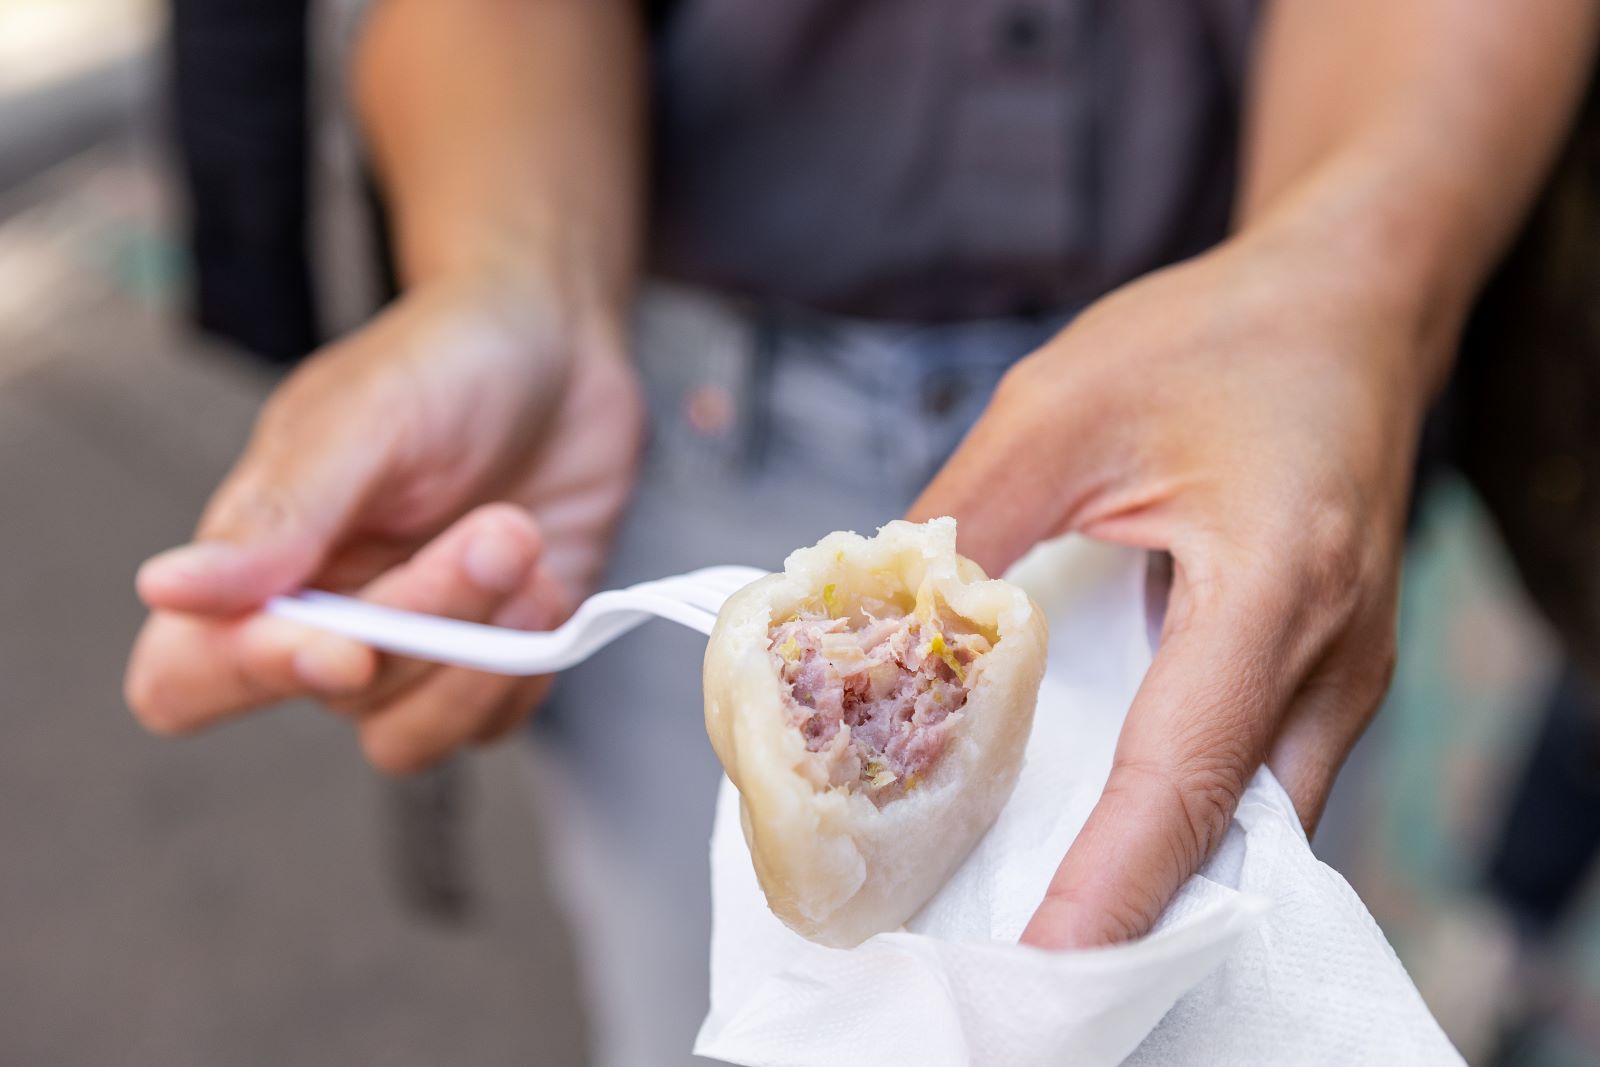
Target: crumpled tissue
{"x": 1266, "y": 956}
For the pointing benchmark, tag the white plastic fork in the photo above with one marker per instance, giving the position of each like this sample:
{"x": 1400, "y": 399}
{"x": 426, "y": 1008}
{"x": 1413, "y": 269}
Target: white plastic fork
{"x": 692, "y": 599}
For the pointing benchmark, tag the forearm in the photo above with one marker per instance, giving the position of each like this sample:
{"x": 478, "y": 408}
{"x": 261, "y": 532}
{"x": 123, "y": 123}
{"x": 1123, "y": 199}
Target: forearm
{"x": 508, "y": 136}
{"x": 1405, "y": 140}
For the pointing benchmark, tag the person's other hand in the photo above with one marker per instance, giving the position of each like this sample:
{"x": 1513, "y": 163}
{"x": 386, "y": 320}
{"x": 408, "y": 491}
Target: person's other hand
{"x": 466, "y": 454}
{"x": 1256, "y": 415}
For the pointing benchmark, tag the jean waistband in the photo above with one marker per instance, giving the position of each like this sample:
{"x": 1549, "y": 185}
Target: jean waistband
{"x": 738, "y": 390}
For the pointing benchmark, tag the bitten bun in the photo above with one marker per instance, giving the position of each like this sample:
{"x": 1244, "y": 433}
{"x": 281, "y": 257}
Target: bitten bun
{"x": 836, "y": 865}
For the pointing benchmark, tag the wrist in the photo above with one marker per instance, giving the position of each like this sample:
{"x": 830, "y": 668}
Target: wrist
{"x": 520, "y": 165}
{"x": 542, "y": 263}
{"x": 1350, "y": 242}
{"x": 536, "y": 285}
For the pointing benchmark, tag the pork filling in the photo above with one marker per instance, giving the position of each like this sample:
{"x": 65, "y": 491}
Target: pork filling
{"x": 876, "y": 692}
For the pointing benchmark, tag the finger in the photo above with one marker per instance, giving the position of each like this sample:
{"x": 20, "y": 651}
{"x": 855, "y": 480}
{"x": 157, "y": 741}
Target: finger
{"x": 515, "y": 710}
{"x": 1198, "y": 729}
{"x": 1328, "y": 716}
{"x": 269, "y": 526}
{"x": 546, "y": 606}
{"x": 450, "y": 707}
{"x": 355, "y": 564}
{"x": 469, "y": 572}
{"x": 446, "y": 710}
{"x": 187, "y": 672}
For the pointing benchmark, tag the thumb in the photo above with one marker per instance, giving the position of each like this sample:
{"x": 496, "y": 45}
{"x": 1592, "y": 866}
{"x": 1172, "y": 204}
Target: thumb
{"x": 1197, "y": 731}
{"x": 268, "y": 528}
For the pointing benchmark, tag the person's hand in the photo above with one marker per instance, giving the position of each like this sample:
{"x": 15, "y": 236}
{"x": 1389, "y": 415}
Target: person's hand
{"x": 1254, "y": 413}
{"x": 466, "y": 454}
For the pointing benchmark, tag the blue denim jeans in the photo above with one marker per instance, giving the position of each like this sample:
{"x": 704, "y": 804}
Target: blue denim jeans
{"x": 770, "y": 429}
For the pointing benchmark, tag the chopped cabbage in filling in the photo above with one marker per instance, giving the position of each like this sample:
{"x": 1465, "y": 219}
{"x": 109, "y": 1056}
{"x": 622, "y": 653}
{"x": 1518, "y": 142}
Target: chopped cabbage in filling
{"x": 878, "y": 692}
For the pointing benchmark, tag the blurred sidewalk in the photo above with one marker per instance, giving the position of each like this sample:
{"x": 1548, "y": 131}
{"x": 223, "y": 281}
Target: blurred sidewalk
{"x": 71, "y": 73}
{"x": 222, "y": 900}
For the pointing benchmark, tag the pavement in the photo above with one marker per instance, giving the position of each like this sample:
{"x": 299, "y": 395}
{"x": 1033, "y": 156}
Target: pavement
{"x": 225, "y": 899}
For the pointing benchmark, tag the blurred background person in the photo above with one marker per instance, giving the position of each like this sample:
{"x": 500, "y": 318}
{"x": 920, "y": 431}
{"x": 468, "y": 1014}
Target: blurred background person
{"x": 707, "y": 413}
{"x": 241, "y": 116}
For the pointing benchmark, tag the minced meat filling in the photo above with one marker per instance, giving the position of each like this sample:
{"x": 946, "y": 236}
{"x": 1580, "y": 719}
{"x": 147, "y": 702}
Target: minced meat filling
{"x": 876, "y": 694}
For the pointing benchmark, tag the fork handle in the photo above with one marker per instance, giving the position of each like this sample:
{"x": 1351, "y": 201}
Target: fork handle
{"x": 475, "y": 646}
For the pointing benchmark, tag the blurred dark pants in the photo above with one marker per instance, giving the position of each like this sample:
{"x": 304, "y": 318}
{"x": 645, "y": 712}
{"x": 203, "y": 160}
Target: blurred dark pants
{"x": 240, "y": 115}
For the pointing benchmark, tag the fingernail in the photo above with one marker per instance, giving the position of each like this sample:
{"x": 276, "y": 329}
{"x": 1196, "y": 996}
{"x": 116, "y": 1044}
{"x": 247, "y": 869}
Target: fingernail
{"x": 332, "y": 667}
{"x": 187, "y": 562}
{"x": 495, "y": 562}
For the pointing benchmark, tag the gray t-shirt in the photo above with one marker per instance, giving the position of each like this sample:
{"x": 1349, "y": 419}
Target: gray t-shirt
{"x": 939, "y": 159}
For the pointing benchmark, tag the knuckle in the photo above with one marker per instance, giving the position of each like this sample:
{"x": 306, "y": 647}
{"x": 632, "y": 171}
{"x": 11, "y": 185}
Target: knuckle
{"x": 1332, "y": 526}
{"x": 1199, "y": 792}
{"x": 1127, "y": 918}
{"x": 1207, "y": 794}
{"x": 1334, "y": 567}
{"x": 1086, "y": 922}
{"x": 1385, "y": 664}
{"x": 253, "y": 505}
{"x": 1021, "y": 383}
{"x": 1017, "y": 376}
{"x": 1376, "y": 672}
{"x": 1239, "y": 583}
{"x": 1313, "y": 579}
{"x": 298, "y": 396}
{"x": 504, "y": 512}
{"x": 510, "y": 522}
{"x": 280, "y": 413}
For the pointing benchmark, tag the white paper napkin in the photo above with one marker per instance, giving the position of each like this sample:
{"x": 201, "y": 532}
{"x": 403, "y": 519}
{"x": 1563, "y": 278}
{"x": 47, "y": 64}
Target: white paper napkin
{"x": 1266, "y": 956}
